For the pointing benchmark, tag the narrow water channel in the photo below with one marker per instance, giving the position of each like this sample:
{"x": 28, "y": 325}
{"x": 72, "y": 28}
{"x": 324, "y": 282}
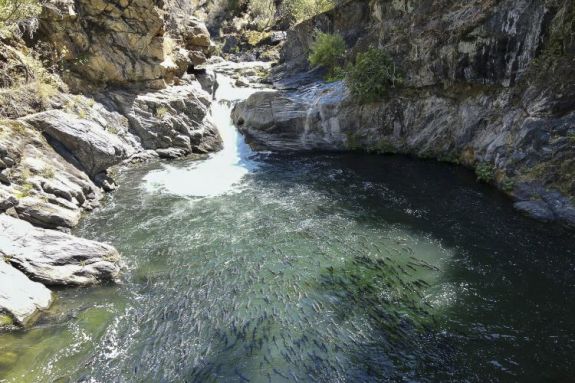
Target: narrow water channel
{"x": 266, "y": 267}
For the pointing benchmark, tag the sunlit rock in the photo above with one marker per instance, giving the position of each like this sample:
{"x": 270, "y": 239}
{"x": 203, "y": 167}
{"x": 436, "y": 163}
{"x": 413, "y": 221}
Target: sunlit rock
{"x": 56, "y": 258}
{"x": 20, "y": 298}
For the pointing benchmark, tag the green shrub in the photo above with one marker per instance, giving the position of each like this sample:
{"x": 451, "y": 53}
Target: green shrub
{"x": 508, "y": 185}
{"x": 328, "y": 50}
{"x": 48, "y": 172}
{"x": 161, "y": 112}
{"x": 372, "y": 75}
{"x": 485, "y": 172}
{"x": 25, "y": 190}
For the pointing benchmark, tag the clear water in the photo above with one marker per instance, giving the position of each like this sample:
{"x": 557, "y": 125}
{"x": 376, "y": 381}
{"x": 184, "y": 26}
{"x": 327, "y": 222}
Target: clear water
{"x": 303, "y": 268}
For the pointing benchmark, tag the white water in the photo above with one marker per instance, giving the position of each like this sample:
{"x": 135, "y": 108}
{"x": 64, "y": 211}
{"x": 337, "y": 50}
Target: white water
{"x": 222, "y": 171}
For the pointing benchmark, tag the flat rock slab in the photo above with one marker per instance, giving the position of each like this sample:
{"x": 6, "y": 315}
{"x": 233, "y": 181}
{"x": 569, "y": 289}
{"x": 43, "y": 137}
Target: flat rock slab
{"x": 21, "y": 298}
{"x": 56, "y": 258}
{"x": 87, "y": 141}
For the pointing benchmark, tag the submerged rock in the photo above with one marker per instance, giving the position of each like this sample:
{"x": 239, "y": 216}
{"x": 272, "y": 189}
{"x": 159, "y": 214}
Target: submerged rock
{"x": 20, "y": 298}
{"x": 56, "y": 258}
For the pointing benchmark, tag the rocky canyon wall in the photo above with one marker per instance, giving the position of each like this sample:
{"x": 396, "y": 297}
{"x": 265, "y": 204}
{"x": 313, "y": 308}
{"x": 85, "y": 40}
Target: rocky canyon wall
{"x": 487, "y": 84}
{"x": 121, "y": 89}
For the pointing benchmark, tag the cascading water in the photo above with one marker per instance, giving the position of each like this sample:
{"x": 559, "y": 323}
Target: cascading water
{"x": 221, "y": 171}
{"x": 327, "y": 267}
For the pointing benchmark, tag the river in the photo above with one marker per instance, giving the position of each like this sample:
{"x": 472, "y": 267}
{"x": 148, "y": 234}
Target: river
{"x": 310, "y": 267}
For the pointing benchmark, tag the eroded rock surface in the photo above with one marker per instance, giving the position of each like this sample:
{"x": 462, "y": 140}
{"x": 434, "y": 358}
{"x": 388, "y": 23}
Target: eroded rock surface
{"x": 107, "y": 42}
{"x": 20, "y": 298}
{"x": 56, "y": 258}
{"x": 38, "y": 184}
{"x": 86, "y": 141}
{"x": 176, "y": 117}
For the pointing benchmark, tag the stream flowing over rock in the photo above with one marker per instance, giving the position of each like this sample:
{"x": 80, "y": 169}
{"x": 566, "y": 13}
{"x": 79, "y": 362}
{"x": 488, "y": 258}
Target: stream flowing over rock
{"x": 487, "y": 85}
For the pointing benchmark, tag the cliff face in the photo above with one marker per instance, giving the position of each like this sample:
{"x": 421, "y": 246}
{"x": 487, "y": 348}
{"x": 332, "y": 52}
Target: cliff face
{"x": 107, "y": 41}
{"x": 133, "y": 101}
{"x": 488, "y": 84}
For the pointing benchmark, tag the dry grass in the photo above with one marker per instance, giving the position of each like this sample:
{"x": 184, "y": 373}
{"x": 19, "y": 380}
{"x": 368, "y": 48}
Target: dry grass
{"x": 26, "y": 86}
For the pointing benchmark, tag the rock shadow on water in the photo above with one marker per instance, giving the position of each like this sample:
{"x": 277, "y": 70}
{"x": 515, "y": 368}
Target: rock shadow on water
{"x": 496, "y": 297}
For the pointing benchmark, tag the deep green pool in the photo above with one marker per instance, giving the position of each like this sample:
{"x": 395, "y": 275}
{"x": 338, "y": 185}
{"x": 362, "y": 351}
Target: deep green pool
{"x": 328, "y": 268}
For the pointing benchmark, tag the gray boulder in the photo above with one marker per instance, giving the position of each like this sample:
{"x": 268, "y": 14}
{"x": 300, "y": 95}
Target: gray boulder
{"x": 20, "y": 298}
{"x": 175, "y": 117}
{"x": 92, "y": 146}
{"x": 56, "y": 258}
{"x": 46, "y": 214}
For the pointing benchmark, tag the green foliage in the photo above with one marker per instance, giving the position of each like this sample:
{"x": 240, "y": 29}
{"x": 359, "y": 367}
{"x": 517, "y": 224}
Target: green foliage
{"x": 383, "y": 146}
{"x": 328, "y": 50}
{"x": 508, "y": 185}
{"x": 5, "y": 320}
{"x": 335, "y": 74}
{"x": 253, "y": 38}
{"x": 485, "y": 172}
{"x": 161, "y": 112}
{"x": 451, "y": 158}
{"x": 372, "y": 75}
{"x": 25, "y": 190}
{"x": 48, "y": 172}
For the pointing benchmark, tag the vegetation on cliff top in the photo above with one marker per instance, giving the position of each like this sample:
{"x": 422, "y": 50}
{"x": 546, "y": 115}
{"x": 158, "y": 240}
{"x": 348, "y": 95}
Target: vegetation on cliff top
{"x": 369, "y": 77}
{"x": 372, "y": 74}
{"x": 266, "y": 13}
{"x": 328, "y": 51}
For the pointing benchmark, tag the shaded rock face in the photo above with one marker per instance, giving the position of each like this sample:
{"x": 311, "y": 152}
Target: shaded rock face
{"x": 20, "y": 298}
{"x": 110, "y": 42}
{"x": 438, "y": 42}
{"x": 487, "y": 84}
{"x": 56, "y": 258}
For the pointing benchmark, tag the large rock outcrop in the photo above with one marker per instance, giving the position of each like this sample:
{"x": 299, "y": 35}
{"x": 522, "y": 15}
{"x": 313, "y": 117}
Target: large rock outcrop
{"x": 490, "y": 85}
{"x": 175, "y": 119}
{"x": 38, "y": 184}
{"x": 57, "y": 151}
{"x": 107, "y": 42}
{"x": 56, "y": 258}
{"x": 193, "y": 35}
{"x": 122, "y": 43}
{"x": 86, "y": 141}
